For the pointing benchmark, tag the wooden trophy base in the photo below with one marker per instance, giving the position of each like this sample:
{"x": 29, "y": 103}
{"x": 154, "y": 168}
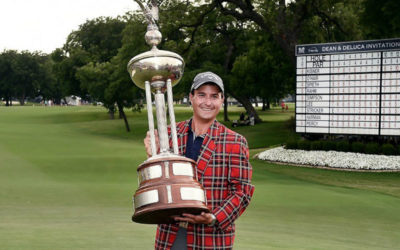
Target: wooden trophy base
{"x": 168, "y": 187}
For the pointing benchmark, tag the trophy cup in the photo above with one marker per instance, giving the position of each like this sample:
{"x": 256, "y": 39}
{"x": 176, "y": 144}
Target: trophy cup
{"x": 168, "y": 183}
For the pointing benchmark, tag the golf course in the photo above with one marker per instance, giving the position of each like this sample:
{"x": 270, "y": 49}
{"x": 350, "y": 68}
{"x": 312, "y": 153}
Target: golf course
{"x": 67, "y": 176}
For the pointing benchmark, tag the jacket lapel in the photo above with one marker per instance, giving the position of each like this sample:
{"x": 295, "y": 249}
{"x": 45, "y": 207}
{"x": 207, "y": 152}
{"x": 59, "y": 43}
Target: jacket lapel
{"x": 182, "y": 134}
{"x": 207, "y": 150}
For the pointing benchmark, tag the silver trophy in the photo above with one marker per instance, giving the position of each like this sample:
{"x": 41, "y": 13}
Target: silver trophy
{"x": 168, "y": 183}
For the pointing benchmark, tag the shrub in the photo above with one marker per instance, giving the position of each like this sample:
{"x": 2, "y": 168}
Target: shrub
{"x": 305, "y": 145}
{"x": 328, "y": 145}
{"x": 316, "y": 145}
{"x": 291, "y": 144}
{"x": 343, "y": 146}
{"x": 372, "y": 148}
{"x": 291, "y": 123}
{"x": 357, "y": 147}
{"x": 388, "y": 149}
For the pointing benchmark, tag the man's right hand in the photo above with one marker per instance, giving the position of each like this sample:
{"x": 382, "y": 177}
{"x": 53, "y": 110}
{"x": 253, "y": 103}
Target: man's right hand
{"x": 147, "y": 143}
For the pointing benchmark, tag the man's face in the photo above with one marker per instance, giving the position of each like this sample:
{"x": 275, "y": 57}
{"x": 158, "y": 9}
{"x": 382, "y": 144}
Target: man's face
{"x": 206, "y": 101}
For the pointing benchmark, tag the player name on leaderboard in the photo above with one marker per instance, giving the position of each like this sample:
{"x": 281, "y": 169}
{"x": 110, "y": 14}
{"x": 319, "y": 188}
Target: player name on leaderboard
{"x": 349, "y": 88}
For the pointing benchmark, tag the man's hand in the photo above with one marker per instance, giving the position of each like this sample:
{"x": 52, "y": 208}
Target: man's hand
{"x": 203, "y": 218}
{"x": 147, "y": 143}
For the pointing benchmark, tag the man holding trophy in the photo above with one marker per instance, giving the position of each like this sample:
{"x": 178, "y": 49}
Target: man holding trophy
{"x": 222, "y": 158}
{"x": 197, "y": 179}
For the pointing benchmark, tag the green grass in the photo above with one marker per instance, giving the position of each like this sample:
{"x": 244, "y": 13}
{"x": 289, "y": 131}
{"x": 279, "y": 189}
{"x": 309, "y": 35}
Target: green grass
{"x": 67, "y": 175}
{"x": 273, "y": 131}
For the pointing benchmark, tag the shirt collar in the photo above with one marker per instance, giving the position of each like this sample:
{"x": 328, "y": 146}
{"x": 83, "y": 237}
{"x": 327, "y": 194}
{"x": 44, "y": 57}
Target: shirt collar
{"x": 194, "y": 134}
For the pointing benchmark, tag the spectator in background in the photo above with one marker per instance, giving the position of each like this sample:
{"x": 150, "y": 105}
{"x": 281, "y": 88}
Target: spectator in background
{"x": 283, "y": 106}
{"x": 241, "y": 117}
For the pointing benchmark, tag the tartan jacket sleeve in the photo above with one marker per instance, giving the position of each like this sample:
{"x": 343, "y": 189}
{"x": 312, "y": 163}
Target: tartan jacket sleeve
{"x": 239, "y": 176}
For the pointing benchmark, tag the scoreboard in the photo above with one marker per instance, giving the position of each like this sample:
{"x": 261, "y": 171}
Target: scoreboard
{"x": 348, "y": 88}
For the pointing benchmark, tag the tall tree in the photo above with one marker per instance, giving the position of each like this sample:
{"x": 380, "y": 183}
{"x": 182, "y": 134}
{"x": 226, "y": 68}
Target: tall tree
{"x": 381, "y": 19}
{"x": 7, "y": 76}
{"x": 21, "y": 75}
{"x": 97, "y": 43}
{"x": 66, "y": 64}
{"x": 100, "y": 38}
{"x": 26, "y": 70}
{"x": 298, "y": 21}
{"x": 263, "y": 71}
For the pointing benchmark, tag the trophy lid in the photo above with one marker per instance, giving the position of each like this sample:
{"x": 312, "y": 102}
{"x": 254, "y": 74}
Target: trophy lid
{"x": 156, "y": 65}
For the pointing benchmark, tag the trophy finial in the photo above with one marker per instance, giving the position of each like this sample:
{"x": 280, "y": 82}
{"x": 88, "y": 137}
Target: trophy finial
{"x": 154, "y": 10}
{"x": 150, "y": 11}
{"x": 153, "y": 35}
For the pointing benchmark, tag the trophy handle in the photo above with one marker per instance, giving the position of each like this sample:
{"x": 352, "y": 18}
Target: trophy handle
{"x": 172, "y": 117}
{"x": 150, "y": 118}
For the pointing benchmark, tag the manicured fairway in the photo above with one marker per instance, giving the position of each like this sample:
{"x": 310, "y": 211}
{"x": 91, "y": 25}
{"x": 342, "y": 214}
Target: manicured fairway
{"x": 67, "y": 175}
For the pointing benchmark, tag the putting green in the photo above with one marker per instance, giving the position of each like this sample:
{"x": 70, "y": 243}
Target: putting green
{"x": 67, "y": 175}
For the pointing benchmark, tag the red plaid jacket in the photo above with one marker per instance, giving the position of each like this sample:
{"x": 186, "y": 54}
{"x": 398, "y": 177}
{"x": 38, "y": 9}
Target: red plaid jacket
{"x": 224, "y": 170}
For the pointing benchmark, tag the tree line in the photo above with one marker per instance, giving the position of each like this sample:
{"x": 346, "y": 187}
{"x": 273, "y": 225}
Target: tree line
{"x": 250, "y": 44}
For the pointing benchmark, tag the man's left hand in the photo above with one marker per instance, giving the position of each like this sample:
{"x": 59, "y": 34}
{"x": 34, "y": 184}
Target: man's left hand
{"x": 203, "y": 218}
